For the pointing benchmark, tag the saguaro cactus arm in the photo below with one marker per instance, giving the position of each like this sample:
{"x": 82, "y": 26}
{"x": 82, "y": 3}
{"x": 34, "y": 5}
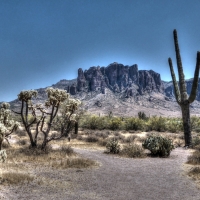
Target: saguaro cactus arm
{"x": 180, "y": 68}
{"x": 176, "y": 89}
{"x": 195, "y": 80}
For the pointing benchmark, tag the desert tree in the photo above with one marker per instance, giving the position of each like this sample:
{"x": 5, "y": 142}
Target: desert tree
{"x": 181, "y": 95}
{"x": 7, "y": 125}
{"x": 68, "y": 119}
{"x": 26, "y": 106}
{"x": 48, "y": 111}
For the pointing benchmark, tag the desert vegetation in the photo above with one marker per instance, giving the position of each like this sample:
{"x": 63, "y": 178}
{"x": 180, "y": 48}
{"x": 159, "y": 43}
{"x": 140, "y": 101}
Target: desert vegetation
{"x": 39, "y": 139}
{"x": 48, "y": 113}
{"x": 181, "y": 95}
{"x": 119, "y": 136}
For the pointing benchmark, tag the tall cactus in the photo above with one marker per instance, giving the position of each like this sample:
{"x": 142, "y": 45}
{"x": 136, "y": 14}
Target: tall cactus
{"x": 181, "y": 95}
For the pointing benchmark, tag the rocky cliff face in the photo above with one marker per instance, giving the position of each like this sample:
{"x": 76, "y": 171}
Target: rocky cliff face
{"x": 119, "y": 78}
{"x": 169, "y": 89}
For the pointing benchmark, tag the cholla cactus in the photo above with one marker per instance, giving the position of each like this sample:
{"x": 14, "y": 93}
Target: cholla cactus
{"x": 27, "y": 95}
{"x": 56, "y": 97}
{"x": 3, "y": 156}
{"x": 7, "y": 126}
{"x": 181, "y": 95}
{"x": 113, "y": 146}
{"x": 158, "y": 145}
{"x": 69, "y": 117}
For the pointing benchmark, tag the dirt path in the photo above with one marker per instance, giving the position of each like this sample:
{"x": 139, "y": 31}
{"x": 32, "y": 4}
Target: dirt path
{"x": 115, "y": 179}
{"x": 139, "y": 179}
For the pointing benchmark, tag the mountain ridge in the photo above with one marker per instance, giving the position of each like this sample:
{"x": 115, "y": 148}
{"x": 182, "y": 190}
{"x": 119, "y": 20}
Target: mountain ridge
{"x": 117, "y": 86}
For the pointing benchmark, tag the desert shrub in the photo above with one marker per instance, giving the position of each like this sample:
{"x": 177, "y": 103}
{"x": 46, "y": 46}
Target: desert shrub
{"x": 195, "y": 141}
{"x": 197, "y": 130}
{"x": 119, "y": 138}
{"x": 174, "y": 125}
{"x": 194, "y": 158}
{"x": 37, "y": 151}
{"x": 194, "y": 123}
{"x": 102, "y": 142}
{"x": 102, "y": 135}
{"x": 134, "y": 124}
{"x": 181, "y": 136}
{"x": 21, "y": 132}
{"x": 141, "y": 139}
{"x": 22, "y": 142}
{"x": 130, "y": 139}
{"x": 113, "y": 146}
{"x": 158, "y": 145}
{"x": 91, "y": 138}
{"x": 195, "y": 172}
{"x": 179, "y": 143}
{"x": 142, "y": 116}
{"x": 66, "y": 150}
{"x": 79, "y": 137}
{"x": 94, "y": 122}
{"x": 157, "y": 123}
{"x": 116, "y": 133}
{"x": 133, "y": 151}
{"x": 115, "y": 123}
{"x": 5, "y": 145}
{"x": 73, "y": 136}
{"x": 16, "y": 178}
{"x": 197, "y": 147}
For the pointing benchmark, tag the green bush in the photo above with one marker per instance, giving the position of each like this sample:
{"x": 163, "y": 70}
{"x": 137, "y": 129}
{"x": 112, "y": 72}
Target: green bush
{"x": 157, "y": 123}
{"x": 137, "y": 123}
{"x": 113, "y": 146}
{"x": 195, "y": 141}
{"x": 134, "y": 124}
{"x": 133, "y": 151}
{"x": 94, "y": 122}
{"x": 195, "y": 123}
{"x": 158, "y": 145}
{"x": 142, "y": 116}
{"x": 115, "y": 123}
{"x": 174, "y": 125}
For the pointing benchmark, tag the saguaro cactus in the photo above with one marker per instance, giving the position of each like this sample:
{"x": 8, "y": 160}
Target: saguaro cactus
{"x": 181, "y": 95}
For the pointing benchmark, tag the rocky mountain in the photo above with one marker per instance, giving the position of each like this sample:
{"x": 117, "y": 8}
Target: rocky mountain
{"x": 169, "y": 88}
{"x": 122, "y": 89}
{"x": 118, "y": 78}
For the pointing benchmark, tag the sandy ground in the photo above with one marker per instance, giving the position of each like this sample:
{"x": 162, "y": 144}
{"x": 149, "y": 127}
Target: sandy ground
{"x": 114, "y": 179}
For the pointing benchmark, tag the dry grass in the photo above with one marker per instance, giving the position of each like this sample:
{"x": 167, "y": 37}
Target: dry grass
{"x": 23, "y": 161}
{"x": 133, "y": 151}
{"x": 195, "y": 171}
{"x": 5, "y": 145}
{"x": 15, "y": 178}
{"x": 91, "y": 138}
{"x": 130, "y": 139}
{"x": 73, "y": 163}
{"x": 60, "y": 156}
{"x": 102, "y": 142}
{"x": 194, "y": 158}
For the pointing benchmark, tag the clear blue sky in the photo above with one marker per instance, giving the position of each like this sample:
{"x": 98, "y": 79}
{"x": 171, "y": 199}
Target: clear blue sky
{"x": 43, "y": 41}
